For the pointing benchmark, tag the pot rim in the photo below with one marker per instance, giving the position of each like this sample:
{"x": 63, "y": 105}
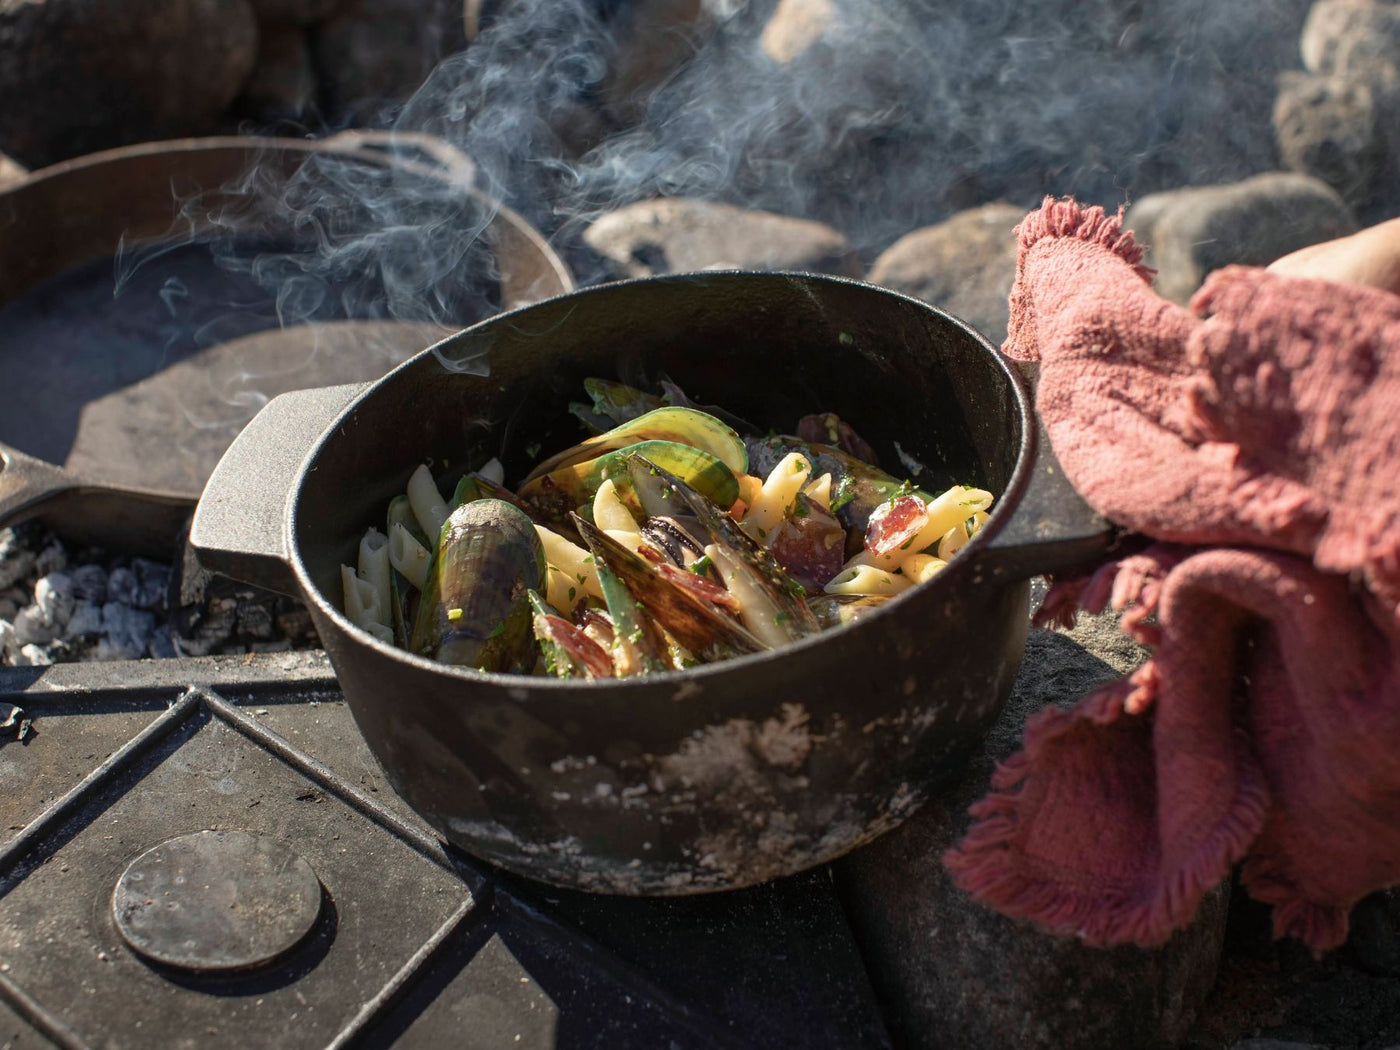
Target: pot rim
{"x": 966, "y": 563}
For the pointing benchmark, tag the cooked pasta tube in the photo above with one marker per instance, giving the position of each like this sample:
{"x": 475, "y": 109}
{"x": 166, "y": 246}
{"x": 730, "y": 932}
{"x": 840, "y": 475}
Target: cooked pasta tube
{"x": 408, "y": 556}
{"x": 571, "y": 559}
{"x": 819, "y": 492}
{"x": 374, "y": 568}
{"x": 428, "y": 505}
{"x": 866, "y": 579}
{"x": 361, "y": 599}
{"x": 944, "y": 511}
{"x": 779, "y": 491}
{"x": 493, "y": 471}
{"x": 563, "y": 591}
{"x": 920, "y": 568}
{"x": 610, "y": 513}
{"x": 952, "y": 541}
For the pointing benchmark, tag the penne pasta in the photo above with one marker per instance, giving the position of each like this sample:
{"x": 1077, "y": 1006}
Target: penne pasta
{"x": 866, "y": 579}
{"x": 428, "y": 505}
{"x": 920, "y": 568}
{"x": 374, "y": 568}
{"x": 408, "y": 557}
{"x": 779, "y": 491}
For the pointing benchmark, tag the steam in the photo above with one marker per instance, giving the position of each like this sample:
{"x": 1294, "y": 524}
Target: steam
{"x": 874, "y": 116}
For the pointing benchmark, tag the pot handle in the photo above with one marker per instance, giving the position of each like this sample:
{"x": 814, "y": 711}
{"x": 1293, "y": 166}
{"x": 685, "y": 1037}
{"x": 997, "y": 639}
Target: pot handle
{"x": 1052, "y": 528}
{"x": 239, "y": 526}
{"x": 26, "y": 482}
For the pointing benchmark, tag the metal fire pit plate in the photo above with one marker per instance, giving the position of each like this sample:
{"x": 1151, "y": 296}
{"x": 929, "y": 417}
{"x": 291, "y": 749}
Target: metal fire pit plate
{"x": 217, "y": 901}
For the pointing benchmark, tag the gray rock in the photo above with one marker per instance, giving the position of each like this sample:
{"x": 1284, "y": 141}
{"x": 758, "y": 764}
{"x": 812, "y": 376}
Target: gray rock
{"x": 94, "y": 74}
{"x": 1375, "y": 933}
{"x": 955, "y": 975}
{"x": 794, "y": 26}
{"x": 965, "y": 265}
{"x": 1352, "y": 38}
{"x": 375, "y": 53}
{"x": 283, "y": 83}
{"x": 652, "y": 40}
{"x": 10, "y": 171}
{"x": 675, "y": 235}
{"x": 8, "y": 645}
{"x": 54, "y": 596}
{"x": 1332, "y": 128}
{"x": 8, "y": 608}
{"x": 1192, "y": 231}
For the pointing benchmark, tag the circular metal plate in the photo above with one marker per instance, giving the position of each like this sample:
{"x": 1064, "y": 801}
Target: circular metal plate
{"x": 216, "y": 901}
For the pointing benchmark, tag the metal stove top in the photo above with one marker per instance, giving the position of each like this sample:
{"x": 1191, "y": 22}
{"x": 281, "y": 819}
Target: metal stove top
{"x": 203, "y": 853}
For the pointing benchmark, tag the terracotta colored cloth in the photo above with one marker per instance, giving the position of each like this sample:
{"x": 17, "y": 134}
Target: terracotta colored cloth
{"x": 1258, "y": 433}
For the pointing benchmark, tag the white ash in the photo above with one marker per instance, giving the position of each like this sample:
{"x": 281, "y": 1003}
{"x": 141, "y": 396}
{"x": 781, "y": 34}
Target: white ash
{"x": 59, "y": 604}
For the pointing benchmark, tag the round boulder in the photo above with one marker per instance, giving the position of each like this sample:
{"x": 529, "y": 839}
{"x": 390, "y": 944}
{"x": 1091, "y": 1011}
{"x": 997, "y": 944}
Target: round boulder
{"x": 83, "y": 75}
{"x": 1353, "y": 38}
{"x": 1330, "y": 127}
{"x": 675, "y": 235}
{"x": 1192, "y": 231}
{"x": 965, "y": 265}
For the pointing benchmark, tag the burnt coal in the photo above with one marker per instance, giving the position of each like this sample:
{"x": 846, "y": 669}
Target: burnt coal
{"x": 59, "y": 605}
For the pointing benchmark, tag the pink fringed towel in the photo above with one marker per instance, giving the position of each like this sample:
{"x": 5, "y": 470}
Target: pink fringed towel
{"x": 1257, "y": 437}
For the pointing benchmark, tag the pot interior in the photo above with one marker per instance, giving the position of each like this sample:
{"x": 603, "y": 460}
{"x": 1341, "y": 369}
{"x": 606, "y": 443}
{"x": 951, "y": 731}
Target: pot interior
{"x": 921, "y": 387}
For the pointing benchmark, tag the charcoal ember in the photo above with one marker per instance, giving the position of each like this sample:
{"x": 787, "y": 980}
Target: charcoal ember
{"x": 86, "y": 621}
{"x": 89, "y": 582}
{"x": 8, "y": 607}
{"x": 122, "y": 586}
{"x": 16, "y": 559}
{"x": 1191, "y": 232}
{"x": 956, "y": 975}
{"x": 254, "y": 617}
{"x": 673, "y": 235}
{"x": 94, "y": 74}
{"x": 1333, "y": 128}
{"x": 294, "y": 623}
{"x": 52, "y": 558}
{"x": 162, "y": 645}
{"x": 55, "y": 598}
{"x": 33, "y": 656}
{"x": 126, "y": 632}
{"x": 152, "y": 584}
{"x": 211, "y": 628}
{"x": 964, "y": 265}
{"x": 32, "y": 627}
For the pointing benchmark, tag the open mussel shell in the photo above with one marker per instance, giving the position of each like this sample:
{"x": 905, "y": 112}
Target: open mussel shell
{"x": 475, "y": 610}
{"x": 706, "y": 632}
{"x": 773, "y": 605}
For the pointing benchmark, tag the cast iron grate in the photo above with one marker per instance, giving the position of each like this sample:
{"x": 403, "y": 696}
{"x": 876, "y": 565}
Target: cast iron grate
{"x": 413, "y": 944}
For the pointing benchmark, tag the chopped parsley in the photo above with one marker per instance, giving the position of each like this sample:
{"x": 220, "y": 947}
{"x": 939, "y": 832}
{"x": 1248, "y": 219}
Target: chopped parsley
{"x": 700, "y": 565}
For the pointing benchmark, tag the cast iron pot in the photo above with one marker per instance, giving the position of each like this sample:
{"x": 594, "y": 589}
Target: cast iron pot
{"x": 723, "y": 775}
